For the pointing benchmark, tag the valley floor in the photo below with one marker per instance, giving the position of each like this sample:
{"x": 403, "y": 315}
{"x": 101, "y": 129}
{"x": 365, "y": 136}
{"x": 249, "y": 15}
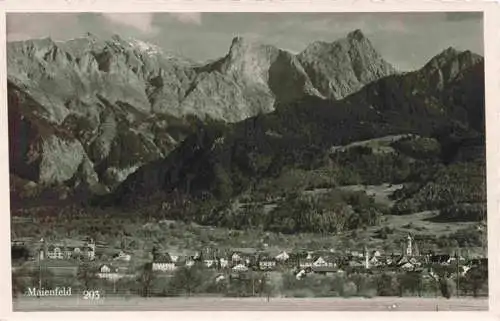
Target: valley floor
{"x": 251, "y": 304}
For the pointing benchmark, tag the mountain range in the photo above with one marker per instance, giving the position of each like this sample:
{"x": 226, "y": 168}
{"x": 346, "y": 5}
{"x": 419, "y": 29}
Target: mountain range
{"x": 87, "y": 101}
{"x": 126, "y": 124}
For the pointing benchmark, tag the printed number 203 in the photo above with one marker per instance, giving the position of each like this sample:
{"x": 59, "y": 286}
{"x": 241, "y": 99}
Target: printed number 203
{"x": 91, "y": 295}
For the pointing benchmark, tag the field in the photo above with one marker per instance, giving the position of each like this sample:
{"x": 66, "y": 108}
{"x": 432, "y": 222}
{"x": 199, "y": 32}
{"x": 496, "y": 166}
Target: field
{"x": 251, "y": 304}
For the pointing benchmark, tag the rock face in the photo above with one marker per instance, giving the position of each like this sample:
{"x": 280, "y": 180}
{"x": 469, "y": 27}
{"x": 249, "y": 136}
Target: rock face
{"x": 340, "y": 68}
{"x": 225, "y": 163}
{"x": 448, "y": 65}
{"x": 94, "y": 110}
{"x": 248, "y": 81}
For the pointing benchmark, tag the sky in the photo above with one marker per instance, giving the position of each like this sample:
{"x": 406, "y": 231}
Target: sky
{"x": 406, "y": 40}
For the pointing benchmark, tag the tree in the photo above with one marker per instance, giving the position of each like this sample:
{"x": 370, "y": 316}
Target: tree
{"x": 265, "y": 285}
{"x": 86, "y": 275}
{"x": 387, "y": 285}
{"x": 146, "y": 278}
{"x": 155, "y": 252}
{"x": 447, "y": 287}
{"x": 77, "y": 256}
{"x": 411, "y": 282}
{"x": 20, "y": 253}
{"x": 189, "y": 280}
{"x": 475, "y": 279}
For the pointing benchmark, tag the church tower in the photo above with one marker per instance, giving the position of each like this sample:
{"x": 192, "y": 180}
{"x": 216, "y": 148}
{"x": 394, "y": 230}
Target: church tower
{"x": 42, "y": 249}
{"x": 411, "y": 247}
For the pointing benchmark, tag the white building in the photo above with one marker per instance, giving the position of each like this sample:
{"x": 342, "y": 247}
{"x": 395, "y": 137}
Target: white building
{"x": 122, "y": 256}
{"x": 282, "y": 257}
{"x": 240, "y": 268}
{"x": 108, "y": 272}
{"x": 163, "y": 264}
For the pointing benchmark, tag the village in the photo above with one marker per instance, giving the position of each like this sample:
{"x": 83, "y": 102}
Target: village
{"x": 238, "y": 262}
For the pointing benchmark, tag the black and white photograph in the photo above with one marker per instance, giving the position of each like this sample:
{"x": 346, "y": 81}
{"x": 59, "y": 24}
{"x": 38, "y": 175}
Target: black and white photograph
{"x": 233, "y": 161}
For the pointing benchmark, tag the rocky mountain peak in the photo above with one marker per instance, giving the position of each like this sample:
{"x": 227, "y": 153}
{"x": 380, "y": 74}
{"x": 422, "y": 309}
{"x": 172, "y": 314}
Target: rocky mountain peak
{"x": 450, "y": 51}
{"x": 342, "y": 67}
{"x": 356, "y": 35}
{"x": 449, "y": 64}
{"x": 452, "y": 54}
{"x": 443, "y": 57}
{"x": 237, "y": 41}
{"x": 249, "y": 58}
{"x": 241, "y": 46}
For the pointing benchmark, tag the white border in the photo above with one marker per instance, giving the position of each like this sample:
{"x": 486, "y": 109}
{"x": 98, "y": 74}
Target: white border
{"x": 491, "y": 9}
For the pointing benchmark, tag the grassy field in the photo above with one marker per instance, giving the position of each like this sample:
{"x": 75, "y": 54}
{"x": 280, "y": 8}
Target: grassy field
{"x": 250, "y": 304}
{"x": 381, "y": 193}
{"x": 378, "y": 145}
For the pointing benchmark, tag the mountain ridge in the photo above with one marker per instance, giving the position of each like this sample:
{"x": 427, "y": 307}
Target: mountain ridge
{"x": 123, "y": 104}
{"x": 305, "y": 129}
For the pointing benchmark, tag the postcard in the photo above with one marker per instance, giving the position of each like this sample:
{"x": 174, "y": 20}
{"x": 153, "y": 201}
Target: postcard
{"x": 250, "y": 156}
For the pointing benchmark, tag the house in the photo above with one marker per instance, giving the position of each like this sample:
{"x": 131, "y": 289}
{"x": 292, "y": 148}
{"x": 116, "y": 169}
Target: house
{"x": 357, "y": 254}
{"x": 241, "y": 258}
{"x": 282, "y": 257}
{"x": 209, "y": 258}
{"x": 324, "y": 270}
{"x": 197, "y": 256}
{"x": 60, "y": 252}
{"x": 122, "y": 256}
{"x": 84, "y": 251}
{"x": 407, "y": 266}
{"x": 54, "y": 252}
{"x": 464, "y": 270}
{"x": 163, "y": 263}
{"x": 185, "y": 261}
{"x": 375, "y": 261}
{"x": 357, "y": 263}
{"x": 389, "y": 260}
{"x": 323, "y": 262}
{"x": 223, "y": 263}
{"x": 304, "y": 260}
{"x": 267, "y": 263}
{"x": 478, "y": 262}
{"x": 108, "y": 272}
{"x": 405, "y": 263}
{"x": 393, "y": 259}
{"x": 220, "y": 278}
{"x": 414, "y": 261}
{"x": 294, "y": 259}
{"x": 236, "y": 258}
{"x": 240, "y": 268}
{"x": 242, "y": 255}
{"x": 443, "y": 259}
{"x": 300, "y": 275}
{"x": 210, "y": 263}
{"x": 190, "y": 261}
{"x": 306, "y": 263}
